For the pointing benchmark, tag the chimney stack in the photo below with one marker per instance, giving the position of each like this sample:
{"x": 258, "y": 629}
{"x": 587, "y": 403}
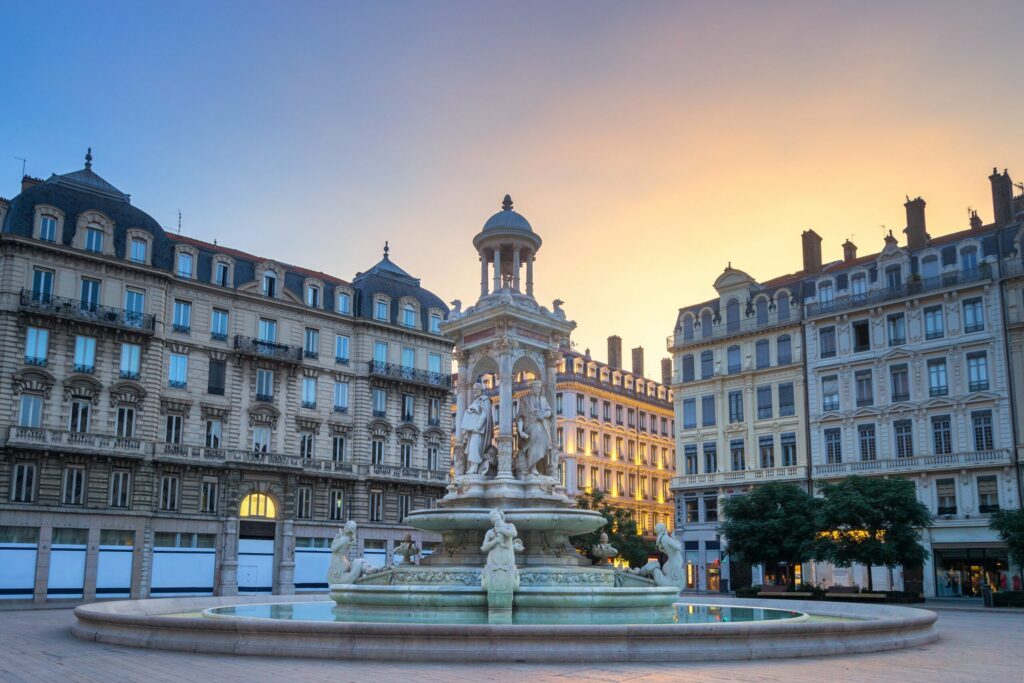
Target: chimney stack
{"x": 638, "y": 361}
{"x": 849, "y": 251}
{"x": 615, "y": 352}
{"x": 917, "y": 235}
{"x": 812, "y": 252}
{"x": 28, "y": 181}
{"x": 666, "y": 371}
{"x": 975, "y": 220}
{"x": 1002, "y": 196}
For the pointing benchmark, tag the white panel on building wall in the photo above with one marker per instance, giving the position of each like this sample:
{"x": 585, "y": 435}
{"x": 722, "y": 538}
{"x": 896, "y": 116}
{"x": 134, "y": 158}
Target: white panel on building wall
{"x": 67, "y": 571}
{"x": 311, "y": 569}
{"x": 17, "y": 570}
{"x": 182, "y": 571}
{"x": 114, "y": 571}
{"x": 256, "y": 565}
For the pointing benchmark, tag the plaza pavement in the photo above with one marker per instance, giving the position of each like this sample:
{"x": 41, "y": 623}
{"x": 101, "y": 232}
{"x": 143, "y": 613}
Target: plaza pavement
{"x": 35, "y": 645}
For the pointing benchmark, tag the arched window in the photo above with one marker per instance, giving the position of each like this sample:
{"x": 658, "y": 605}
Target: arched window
{"x": 707, "y": 364}
{"x": 688, "y": 328}
{"x": 733, "y": 358}
{"x": 783, "y": 305}
{"x": 732, "y": 315}
{"x": 688, "y": 372}
{"x": 258, "y": 505}
{"x": 784, "y": 350}
{"x": 762, "y": 311}
{"x": 705, "y": 324}
{"x": 762, "y": 353}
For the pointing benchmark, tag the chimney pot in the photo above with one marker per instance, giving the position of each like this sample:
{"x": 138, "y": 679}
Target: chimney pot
{"x": 917, "y": 234}
{"x": 615, "y": 352}
{"x": 849, "y": 251}
{"x": 638, "y": 361}
{"x": 812, "y": 252}
{"x": 666, "y": 371}
{"x": 1002, "y": 196}
{"x": 28, "y": 181}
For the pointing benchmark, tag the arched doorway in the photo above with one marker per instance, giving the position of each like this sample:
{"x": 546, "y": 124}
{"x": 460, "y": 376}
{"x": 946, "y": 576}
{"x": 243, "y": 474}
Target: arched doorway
{"x": 257, "y": 529}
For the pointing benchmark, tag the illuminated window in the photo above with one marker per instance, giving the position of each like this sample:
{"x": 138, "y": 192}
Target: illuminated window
{"x": 258, "y": 505}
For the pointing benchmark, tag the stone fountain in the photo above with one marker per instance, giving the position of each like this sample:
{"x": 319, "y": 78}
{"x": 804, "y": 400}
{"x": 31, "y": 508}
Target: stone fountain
{"x": 506, "y": 521}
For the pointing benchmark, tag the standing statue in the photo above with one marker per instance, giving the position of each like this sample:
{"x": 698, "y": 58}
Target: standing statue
{"x": 407, "y": 550}
{"x": 500, "y": 578}
{"x": 477, "y": 429}
{"x": 671, "y": 573}
{"x": 341, "y": 569}
{"x": 534, "y": 425}
{"x": 604, "y": 550}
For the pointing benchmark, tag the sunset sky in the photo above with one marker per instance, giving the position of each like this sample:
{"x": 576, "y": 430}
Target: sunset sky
{"x": 648, "y": 144}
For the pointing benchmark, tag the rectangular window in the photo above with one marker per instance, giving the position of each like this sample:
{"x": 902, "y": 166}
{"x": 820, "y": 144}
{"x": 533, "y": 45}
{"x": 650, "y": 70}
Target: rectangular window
{"x": 138, "y": 250}
{"x": 606, "y": 408}
{"x": 85, "y": 354}
{"x": 48, "y": 229}
{"x": 942, "y": 435}
{"x": 788, "y": 443}
{"x": 735, "y": 406}
{"x": 707, "y": 411}
{"x": 214, "y": 430}
{"x": 261, "y": 439}
{"x": 861, "y": 330}
{"x": 36, "y": 345}
{"x": 169, "y": 493}
{"x": 707, "y": 365}
{"x": 977, "y": 371}
{"x": 379, "y": 402}
{"x": 208, "y": 496}
{"x": 313, "y": 296}
{"x": 344, "y": 303}
{"x": 304, "y": 502}
{"x": 692, "y": 510}
{"x": 177, "y": 375}
{"x": 72, "y": 490}
{"x": 593, "y": 410}
{"x": 974, "y": 315}
{"x": 120, "y": 488}
{"x": 341, "y": 349}
{"x": 42, "y": 285}
{"x": 934, "y": 324}
{"x": 434, "y": 365}
{"x": 94, "y": 240}
{"x": 945, "y": 490}
{"x": 31, "y": 411}
{"x": 784, "y": 350}
{"x": 710, "y": 457}
{"x": 125, "y": 422}
{"x": 172, "y": 429}
{"x": 689, "y": 413}
{"x": 185, "y": 265}
{"x": 903, "y": 430}
{"x": 90, "y": 294}
{"x": 432, "y": 458}
{"x": 376, "y": 506}
{"x": 23, "y": 484}
{"x": 309, "y": 392}
{"x": 135, "y": 305}
{"x": 337, "y": 501}
{"x": 830, "y": 393}
{"x": 131, "y": 357}
{"x": 988, "y": 494}
{"x": 827, "y": 340}
{"x": 766, "y": 449}
{"x": 380, "y": 352}
{"x": 896, "y": 327}
{"x": 408, "y": 408}
{"x": 215, "y": 377}
{"x": 79, "y": 422}
{"x": 409, "y": 316}
{"x": 900, "y": 382}
{"x": 866, "y": 440}
{"x": 381, "y": 311}
{"x": 864, "y": 388}
{"x": 787, "y": 400}
{"x": 307, "y": 445}
{"x": 341, "y": 397}
{"x": 219, "y": 324}
{"x": 182, "y": 316}
{"x": 737, "y": 455}
{"x": 435, "y": 323}
{"x": 833, "y": 446}
{"x": 981, "y": 422}
{"x": 733, "y": 360}
{"x": 267, "y": 330}
{"x": 404, "y": 506}
{"x": 221, "y": 274}
{"x": 690, "y": 455}
{"x": 711, "y": 508}
{"x": 405, "y": 454}
{"x": 764, "y": 402}
{"x": 338, "y": 448}
{"x": 434, "y": 411}
{"x": 377, "y": 452}
{"x": 311, "y": 345}
{"x": 938, "y": 384}
{"x": 264, "y": 385}
{"x": 762, "y": 354}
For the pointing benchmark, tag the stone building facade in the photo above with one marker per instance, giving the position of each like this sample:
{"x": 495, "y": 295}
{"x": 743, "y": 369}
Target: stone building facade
{"x": 912, "y": 369}
{"x": 184, "y": 418}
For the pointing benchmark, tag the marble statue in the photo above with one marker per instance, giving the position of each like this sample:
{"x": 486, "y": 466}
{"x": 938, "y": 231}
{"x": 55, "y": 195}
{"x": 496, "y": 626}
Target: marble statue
{"x": 534, "y": 425}
{"x": 477, "y": 430}
{"x": 556, "y": 309}
{"x": 407, "y": 550}
{"x": 342, "y": 570}
{"x": 603, "y": 551}
{"x": 456, "y": 311}
{"x": 671, "y": 573}
{"x": 500, "y": 577}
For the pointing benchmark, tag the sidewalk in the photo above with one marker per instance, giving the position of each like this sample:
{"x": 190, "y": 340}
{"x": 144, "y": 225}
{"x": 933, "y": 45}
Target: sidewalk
{"x": 965, "y": 605}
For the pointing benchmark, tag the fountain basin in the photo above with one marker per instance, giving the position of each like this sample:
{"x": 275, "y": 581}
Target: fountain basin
{"x": 567, "y": 521}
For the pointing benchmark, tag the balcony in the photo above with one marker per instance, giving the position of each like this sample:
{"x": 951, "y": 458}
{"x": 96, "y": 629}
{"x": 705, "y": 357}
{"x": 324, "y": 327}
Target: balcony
{"x": 740, "y": 476}
{"x": 724, "y": 330}
{"x": 616, "y": 389}
{"x": 909, "y": 289}
{"x": 74, "y": 309}
{"x": 412, "y": 375}
{"x": 415, "y": 474}
{"x": 258, "y": 348}
{"x": 38, "y": 361}
{"x": 950, "y": 461}
{"x": 341, "y": 360}
{"x": 55, "y": 439}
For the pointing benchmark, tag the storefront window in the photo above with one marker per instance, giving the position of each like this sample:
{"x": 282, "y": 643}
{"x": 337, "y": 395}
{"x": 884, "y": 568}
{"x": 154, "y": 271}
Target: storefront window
{"x": 961, "y": 572}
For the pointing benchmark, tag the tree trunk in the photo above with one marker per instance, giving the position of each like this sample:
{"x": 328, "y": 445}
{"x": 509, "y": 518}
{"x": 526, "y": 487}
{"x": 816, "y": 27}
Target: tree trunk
{"x": 792, "y": 575}
{"x": 871, "y": 585}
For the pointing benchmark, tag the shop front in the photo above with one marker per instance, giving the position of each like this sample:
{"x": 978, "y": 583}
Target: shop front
{"x": 962, "y": 571}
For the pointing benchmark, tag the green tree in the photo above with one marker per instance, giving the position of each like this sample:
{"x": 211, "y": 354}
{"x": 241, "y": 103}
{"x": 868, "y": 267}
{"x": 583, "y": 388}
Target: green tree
{"x": 620, "y": 527}
{"x": 874, "y": 522}
{"x": 772, "y": 524}
{"x": 1009, "y": 524}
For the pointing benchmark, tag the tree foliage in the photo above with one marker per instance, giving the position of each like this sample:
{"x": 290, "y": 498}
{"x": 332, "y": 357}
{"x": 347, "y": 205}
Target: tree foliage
{"x": 871, "y": 521}
{"x": 620, "y": 527}
{"x": 772, "y": 524}
{"x": 1009, "y": 524}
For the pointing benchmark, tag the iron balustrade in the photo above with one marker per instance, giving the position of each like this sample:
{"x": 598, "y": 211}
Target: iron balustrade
{"x": 401, "y": 372}
{"x": 76, "y": 309}
{"x": 260, "y": 348}
{"x": 913, "y": 287}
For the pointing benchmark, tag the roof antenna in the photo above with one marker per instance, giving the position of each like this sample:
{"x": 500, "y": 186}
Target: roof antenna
{"x": 88, "y": 159}
{"x": 386, "y": 250}
{"x": 23, "y": 161}
{"x": 179, "y": 221}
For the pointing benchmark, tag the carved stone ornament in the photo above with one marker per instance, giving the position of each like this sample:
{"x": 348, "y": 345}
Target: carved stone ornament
{"x": 338, "y": 429}
{"x": 127, "y": 393}
{"x": 174, "y": 405}
{"x": 33, "y": 380}
{"x": 264, "y": 415}
{"x": 82, "y": 387}
{"x": 213, "y": 411}
{"x": 307, "y": 424}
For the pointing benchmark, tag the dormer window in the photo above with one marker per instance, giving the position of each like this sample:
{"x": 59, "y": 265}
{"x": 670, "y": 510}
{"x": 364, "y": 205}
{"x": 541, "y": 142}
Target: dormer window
{"x": 380, "y": 310}
{"x": 270, "y": 284}
{"x": 825, "y": 293}
{"x": 94, "y": 240}
{"x": 435, "y": 323}
{"x": 344, "y": 303}
{"x": 409, "y": 315}
{"x": 48, "y": 229}
{"x": 137, "y": 250}
{"x": 185, "y": 265}
{"x": 968, "y": 259}
{"x": 313, "y": 296}
{"x": 221, "y": 274}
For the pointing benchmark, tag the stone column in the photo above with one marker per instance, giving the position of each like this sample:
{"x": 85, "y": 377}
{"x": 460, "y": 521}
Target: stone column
{"x": 43, "y": 554}
{"x": 483, "y": 276}
{"x": 551, "y": 370}
{"x": 529, "y": 274}
{"x": 145, "y": 547}
{"x": 461, "y": 399}
{"x": 497, "y": 268}
{"x": 229, "y": 558}
{"x": 92, "y": 560}
{"x": 505, "y": 380}
{"x": 515, "y": 268}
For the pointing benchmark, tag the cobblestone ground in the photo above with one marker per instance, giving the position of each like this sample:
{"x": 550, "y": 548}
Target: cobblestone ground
{"x": 35, "y": 645}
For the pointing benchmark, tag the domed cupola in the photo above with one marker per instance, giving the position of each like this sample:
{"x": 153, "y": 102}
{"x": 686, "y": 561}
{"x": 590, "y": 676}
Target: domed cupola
{"x": 507, "y": 242}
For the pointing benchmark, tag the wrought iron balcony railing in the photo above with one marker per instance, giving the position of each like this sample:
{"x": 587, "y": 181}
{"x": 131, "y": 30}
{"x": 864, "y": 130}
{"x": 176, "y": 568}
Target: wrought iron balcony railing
{"x": 75, "y": 309}
{"x": 407, "y": 374}
{"x": 250, "y": 346}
